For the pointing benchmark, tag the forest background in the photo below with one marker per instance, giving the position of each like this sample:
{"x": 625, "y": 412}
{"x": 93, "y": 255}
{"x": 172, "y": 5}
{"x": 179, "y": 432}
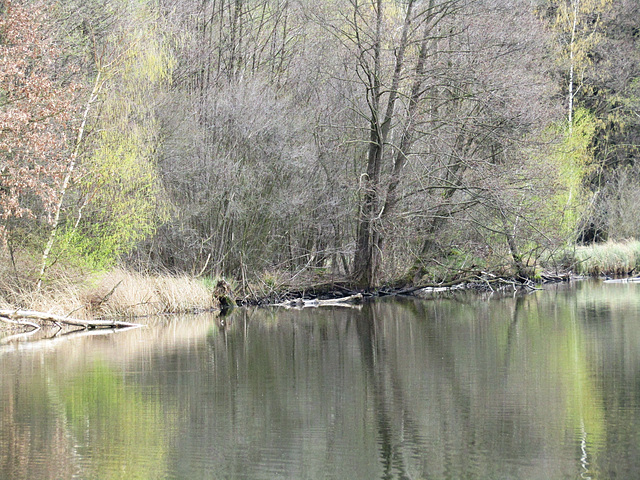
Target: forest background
{"x": 289, "y": 142}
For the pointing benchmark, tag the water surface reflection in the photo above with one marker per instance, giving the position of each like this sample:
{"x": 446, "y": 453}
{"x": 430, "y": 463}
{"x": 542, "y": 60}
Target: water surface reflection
{"x": 538, "y": 386}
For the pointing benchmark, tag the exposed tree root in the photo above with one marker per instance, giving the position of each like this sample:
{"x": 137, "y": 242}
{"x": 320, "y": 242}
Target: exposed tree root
{"x": 471, "y": 280}
{"x": 480, "y": 281}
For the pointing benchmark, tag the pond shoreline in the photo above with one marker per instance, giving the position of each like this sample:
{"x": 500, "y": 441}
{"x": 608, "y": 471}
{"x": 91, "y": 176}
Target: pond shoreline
{"x": 120, "y": 295}
{"x": 481, "y": 282}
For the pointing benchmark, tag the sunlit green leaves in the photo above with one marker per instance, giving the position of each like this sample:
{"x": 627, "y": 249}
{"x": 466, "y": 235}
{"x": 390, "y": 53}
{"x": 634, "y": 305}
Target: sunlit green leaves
{"x": 572, "y": 161}
{"x": 119, "y": 195}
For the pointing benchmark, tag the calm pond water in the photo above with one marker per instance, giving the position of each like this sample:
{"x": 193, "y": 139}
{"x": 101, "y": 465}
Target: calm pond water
{"x": 542, "y": 386}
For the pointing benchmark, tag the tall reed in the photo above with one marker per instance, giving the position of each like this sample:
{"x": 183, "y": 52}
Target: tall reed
{"x": 611, "y": 258}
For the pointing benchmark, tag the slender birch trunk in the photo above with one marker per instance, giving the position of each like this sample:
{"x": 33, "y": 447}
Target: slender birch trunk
{"x": 574, "y": 26}
{"x": 67, "y": 178}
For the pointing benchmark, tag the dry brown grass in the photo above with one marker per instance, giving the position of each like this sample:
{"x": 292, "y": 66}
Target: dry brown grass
{"x": 115, "y": 293}
{"x": 59, "y": 296}
{"x": 61, "y": 299}
{"x": 124, "y": 293}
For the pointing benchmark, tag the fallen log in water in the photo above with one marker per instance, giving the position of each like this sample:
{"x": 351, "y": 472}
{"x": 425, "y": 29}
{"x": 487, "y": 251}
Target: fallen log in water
{"x": 24, "y": 317}
{"x": 349, "y": 301}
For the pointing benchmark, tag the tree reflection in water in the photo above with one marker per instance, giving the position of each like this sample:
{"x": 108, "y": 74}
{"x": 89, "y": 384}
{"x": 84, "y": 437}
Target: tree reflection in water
{"x": 446, "y": 388}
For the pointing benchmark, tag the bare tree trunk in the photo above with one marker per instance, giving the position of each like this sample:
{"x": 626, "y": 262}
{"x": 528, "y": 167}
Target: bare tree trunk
{"x": 367, "y": 255}
{"x": 438, "y": 221}
{"x": 521, "y": 270}
{"x": 15, "y": 316}
{"x": 406, "y": 142}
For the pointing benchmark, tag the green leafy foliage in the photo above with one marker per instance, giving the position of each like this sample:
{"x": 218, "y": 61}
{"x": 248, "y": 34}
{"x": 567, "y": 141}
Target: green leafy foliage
{"x": 573, "y": 161}
{"x": 119, "y": 197}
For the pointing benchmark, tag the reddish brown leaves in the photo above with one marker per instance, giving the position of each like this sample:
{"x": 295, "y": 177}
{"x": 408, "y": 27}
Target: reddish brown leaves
{"x": 36, "y": 111}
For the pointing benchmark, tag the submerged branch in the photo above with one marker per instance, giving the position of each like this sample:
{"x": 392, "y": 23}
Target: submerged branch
{"x": 22, "y": 317}
{"x": 25, "y": 323}
{"x": 349, "y": 301}
{"x": 15, "y": 342}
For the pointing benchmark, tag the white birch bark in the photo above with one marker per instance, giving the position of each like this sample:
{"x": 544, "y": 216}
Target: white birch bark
{"x": 67, "y": 178}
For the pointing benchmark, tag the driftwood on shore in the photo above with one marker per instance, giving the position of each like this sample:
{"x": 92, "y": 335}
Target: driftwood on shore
{"x": 25, "y": 318}
{"x": 349, "y": 301}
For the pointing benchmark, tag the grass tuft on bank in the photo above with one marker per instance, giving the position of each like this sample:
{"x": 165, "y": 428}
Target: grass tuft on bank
{"x": 130, "y": 294}
{"x": 114, "y": 293}
{"x": 611, "y": 258}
